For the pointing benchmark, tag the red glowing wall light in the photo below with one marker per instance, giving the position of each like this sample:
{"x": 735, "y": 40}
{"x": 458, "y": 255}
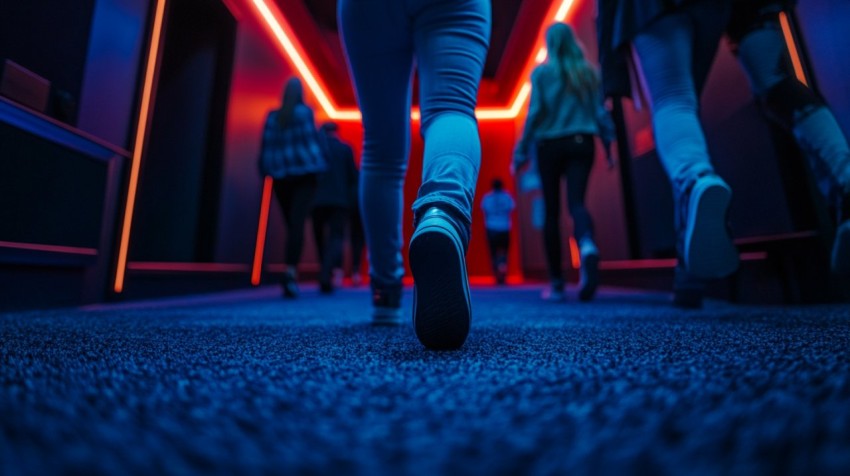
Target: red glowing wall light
{"x": 575, "y": 255}
{"x": 257, "y": 267}
{"x": 139, "y": 143}
{"x": 283, "y": 34}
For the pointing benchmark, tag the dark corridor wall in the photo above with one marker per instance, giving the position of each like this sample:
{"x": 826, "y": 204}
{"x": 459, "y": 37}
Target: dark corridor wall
{"x": 823, "y": 24}
{"x": 177, "y": 207}
{"x": 30, "y": 32}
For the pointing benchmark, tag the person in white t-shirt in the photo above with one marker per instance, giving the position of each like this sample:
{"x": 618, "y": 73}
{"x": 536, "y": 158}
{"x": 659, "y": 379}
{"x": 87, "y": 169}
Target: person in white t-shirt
{"x": 497, "y": 206}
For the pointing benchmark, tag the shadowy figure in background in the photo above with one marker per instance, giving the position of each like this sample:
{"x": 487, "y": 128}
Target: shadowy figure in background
{"x": 565, "y": 112}
{"x": 292, "y": 155}
{"x": 448, "y": 42}
{"x": 758, "y": 42}
{"x": 356, "y": 237}
{"x": 497, "y": 206}
{"x": 332, "y": 203}
{"x": 669, "y": 48}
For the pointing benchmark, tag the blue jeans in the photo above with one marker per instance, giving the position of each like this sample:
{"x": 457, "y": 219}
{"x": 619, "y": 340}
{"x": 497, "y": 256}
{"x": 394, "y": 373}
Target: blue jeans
{"x": 668, "y": 53}
{"x": 448, "y": 40}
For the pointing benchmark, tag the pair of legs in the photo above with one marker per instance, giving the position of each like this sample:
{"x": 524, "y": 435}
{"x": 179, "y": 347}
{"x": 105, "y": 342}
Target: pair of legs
{"x": 762, "y": 52}
{"x": 448, "y": 41}
{"x": 499, "y": 242}
{"x": 673, "y": 56}
{"x": 571, "y": 157}
{"x": 329, "y": 233}
{"x": 295, "y": 196}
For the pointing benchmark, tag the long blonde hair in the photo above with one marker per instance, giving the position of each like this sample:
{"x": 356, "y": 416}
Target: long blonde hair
{"x": 566, "y": 55}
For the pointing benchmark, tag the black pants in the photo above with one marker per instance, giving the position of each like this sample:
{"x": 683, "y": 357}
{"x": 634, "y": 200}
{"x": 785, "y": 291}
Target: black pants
{"x": 570, "y": 156}
{"x": 499, "y": 242}
{"x": 295, "y": 196}
{"x": 329, "y": 232}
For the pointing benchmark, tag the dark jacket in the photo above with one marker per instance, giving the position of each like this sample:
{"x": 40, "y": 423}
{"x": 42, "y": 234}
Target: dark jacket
{"x": 338, "y": 184}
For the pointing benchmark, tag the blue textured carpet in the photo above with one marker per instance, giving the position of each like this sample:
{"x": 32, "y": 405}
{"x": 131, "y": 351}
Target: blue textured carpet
{"x": 248, "y": 382}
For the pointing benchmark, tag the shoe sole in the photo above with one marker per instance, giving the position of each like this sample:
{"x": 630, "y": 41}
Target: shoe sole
{"x": 841, "y": 251}
{"x": 709, "y": 251}
{"x": 590, "y": 269}
{"x": 441, "y": 305}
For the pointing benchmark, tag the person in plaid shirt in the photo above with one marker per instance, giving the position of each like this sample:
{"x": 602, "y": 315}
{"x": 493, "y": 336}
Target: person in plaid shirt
{"x": 293, "y": 156}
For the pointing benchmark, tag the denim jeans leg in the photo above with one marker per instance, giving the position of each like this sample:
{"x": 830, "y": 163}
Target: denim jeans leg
{"x": 380, "y": 54}
{"x": 451, "y": 42}
{"x": 665, "y": 56}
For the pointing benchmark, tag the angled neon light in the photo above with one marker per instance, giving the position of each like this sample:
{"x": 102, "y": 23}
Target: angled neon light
{"x": 295, "y": 53}
{"x": 792, "y": 48}
{"x": 138, "y": 146}
{"x": 265, "y": 204}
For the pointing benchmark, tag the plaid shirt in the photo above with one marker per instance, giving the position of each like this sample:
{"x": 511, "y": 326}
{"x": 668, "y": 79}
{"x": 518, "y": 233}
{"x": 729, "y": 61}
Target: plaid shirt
{"x": 294, "y": 149}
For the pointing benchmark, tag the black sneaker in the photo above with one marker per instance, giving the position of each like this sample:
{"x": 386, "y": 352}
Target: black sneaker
{"x": 708, "y": 249}
{"x": 289, "y": 284}
{"x": 386, "y": 304}
{"x": 441, "y": 307}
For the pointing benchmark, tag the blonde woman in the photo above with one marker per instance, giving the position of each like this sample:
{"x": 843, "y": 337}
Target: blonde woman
{"x": 564, "y": 115}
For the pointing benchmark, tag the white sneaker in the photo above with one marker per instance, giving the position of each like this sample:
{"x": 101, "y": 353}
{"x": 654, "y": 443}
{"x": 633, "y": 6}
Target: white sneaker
{"x": 589, "y": 269}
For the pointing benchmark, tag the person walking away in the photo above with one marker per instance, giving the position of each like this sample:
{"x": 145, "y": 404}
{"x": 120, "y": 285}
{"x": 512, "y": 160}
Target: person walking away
{"x": 292, "y": 155}
{"x": 565, "y": 112}
{"x": 448, "y": 41}
{"x": 497, "y": 206}
{"x": 331, "y": 204}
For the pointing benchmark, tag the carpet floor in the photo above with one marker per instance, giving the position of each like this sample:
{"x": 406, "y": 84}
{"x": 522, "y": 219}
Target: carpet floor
{"x": 249, "y": 383}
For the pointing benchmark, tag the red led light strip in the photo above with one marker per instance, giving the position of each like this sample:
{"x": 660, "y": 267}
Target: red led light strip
{"x": 265, "y": 205}
{"x": 287, "y": 41}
